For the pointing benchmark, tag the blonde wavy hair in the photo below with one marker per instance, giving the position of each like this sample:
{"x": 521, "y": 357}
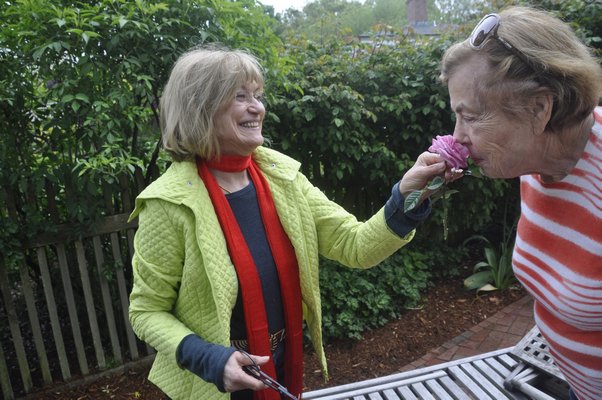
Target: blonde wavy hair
{"x": 202, "y": 81}
{"x": 557, "y": 61}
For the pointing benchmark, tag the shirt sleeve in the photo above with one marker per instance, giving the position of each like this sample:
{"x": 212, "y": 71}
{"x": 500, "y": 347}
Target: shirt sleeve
{"x": 204, "y": 359}
{"x": 403, "y": 223}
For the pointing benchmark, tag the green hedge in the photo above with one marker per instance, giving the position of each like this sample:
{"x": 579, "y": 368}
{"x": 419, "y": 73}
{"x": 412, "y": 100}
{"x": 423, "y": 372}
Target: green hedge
{"x": 354, "y": 301}
{"x": 79, "y": 89}
{"x": 360, "y": 117}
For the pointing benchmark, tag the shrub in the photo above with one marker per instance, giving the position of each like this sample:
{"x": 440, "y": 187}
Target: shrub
{"x": 354, "y": 301}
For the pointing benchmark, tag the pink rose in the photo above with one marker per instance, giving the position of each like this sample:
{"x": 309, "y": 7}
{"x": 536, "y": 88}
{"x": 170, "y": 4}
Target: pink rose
{"x": 455, "y": 154}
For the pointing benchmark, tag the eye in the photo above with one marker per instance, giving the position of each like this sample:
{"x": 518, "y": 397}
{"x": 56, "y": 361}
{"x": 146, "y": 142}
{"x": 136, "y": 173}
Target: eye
{"x": 468, "y": 118}
{"x": 259, "y": 97}
{"x": 242, "y": 97}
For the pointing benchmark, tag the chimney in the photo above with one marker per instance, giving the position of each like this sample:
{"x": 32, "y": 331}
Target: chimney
{"x": 416, "y": 10}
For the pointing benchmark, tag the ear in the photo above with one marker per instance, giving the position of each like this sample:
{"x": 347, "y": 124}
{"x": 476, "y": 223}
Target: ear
{"x": 541, "y": 105}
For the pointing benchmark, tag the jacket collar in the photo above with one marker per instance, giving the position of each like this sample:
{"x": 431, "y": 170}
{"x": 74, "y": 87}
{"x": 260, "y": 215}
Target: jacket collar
{"x": 180, "y": 183}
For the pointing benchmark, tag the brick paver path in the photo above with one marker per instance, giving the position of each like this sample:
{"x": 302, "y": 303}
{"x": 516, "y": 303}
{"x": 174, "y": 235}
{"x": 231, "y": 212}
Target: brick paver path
{"x": 504, "y": 329}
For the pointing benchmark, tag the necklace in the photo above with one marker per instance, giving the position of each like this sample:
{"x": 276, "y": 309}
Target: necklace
{"x": 224, "y": 189}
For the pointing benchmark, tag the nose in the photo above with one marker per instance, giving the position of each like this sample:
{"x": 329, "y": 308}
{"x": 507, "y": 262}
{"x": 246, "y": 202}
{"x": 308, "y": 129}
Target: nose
{"x": 460, "y": 134}
{"x": 256, "y": 106}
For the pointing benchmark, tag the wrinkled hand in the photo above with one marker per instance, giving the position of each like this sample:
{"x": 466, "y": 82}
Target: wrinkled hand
{"x": 235, "y": 378}
{"x": 427, "y": 166}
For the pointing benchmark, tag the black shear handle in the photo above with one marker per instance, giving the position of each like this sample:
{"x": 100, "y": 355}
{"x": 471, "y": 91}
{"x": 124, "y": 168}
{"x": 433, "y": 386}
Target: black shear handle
{"x": 257, "y": 373}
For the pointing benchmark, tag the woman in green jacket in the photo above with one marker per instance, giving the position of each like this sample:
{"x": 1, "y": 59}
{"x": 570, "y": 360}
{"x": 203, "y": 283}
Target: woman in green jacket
{"x": 227, "y": 250}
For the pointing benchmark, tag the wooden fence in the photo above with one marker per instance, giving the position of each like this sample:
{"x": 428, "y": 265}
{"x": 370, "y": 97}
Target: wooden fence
{"x": 64, "y": 309}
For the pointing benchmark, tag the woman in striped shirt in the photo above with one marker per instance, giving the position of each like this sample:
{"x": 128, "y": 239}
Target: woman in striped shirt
{"x": 526, "y": 94}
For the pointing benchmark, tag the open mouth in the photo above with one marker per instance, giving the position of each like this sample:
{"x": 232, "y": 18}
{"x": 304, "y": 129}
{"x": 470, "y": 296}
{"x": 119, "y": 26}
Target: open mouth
{"x": 251, "y": 124}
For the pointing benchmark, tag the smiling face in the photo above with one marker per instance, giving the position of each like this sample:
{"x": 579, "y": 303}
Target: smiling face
{"x": 239, "y": 122}
{"x": 501, "y": 145}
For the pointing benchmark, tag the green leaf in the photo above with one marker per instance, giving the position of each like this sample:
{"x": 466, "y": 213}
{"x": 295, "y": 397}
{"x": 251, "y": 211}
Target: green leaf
{"x": 436, "y": 183}
{"x": 82, "y": 97}
{"x": 491, "y": 257}
{"x": 480, "y": 265}
{"x": 477, "y": 280}
{"x": 37, "y": 54}
{"x": 476, "y": 172}
{"x": 338, "y": 122}
{"x": 89, "y": 34}
{"x": 412, "y": 200}
{"x": 487, "y": 288}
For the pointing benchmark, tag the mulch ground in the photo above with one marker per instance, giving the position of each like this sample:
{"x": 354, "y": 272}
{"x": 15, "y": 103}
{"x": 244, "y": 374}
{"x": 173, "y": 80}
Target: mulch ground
{"x": 447, "y": 310}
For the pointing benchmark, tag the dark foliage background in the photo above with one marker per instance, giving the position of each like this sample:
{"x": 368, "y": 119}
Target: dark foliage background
{"x": 79, "y": 90}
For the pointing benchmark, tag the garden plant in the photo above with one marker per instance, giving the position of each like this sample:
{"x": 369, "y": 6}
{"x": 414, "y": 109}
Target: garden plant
{"x": 79, "y": 89}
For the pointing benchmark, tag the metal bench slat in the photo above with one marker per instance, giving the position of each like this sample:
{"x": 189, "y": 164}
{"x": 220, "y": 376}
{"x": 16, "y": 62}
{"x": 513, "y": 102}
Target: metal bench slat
{"x": 422, "y": 391}
{"x": 438, "y": 390}
{"x": 469, "y": 383}
{"x": 390, "y": 394}
{"x": 499, "y": 367}
{"x": 453, "y": 388}
{"x": 407, "y": 394}
{"x": 361, "y": 389}
{"x": 484, "y": 381}
{"x": 490, "y": 373}
{"x": 508, "y": 361}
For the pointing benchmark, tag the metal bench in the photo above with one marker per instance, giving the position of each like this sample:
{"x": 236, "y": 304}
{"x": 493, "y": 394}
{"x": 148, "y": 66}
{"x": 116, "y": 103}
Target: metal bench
{"x": 481, "y": 377}
{"x": 536, "y": 373}
{"x": 478, "y": 377}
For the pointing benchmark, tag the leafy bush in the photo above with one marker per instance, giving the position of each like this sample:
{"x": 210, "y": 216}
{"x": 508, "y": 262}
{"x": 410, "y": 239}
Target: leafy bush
{"x": 358, "y": 117}
{"x": 585, "y": 16}
{"x": 495, "y": 272}
{"x": 79, "y": 89}
{"x": 354, "y": 301}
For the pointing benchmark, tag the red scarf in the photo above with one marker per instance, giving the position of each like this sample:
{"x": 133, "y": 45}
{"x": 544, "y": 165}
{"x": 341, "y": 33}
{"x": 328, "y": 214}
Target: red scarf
{"x": 252, "y": 295}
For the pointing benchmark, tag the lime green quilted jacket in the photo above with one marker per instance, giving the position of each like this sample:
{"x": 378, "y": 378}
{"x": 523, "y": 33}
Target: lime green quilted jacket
{"x": 185, "y": 283}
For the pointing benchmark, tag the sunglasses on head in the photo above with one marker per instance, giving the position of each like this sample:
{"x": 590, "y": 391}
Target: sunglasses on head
{"x": 487, "y": 28}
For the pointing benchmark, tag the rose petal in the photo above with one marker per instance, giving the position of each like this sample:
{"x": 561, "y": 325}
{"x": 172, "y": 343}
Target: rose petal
{"x": 455, "y": 154}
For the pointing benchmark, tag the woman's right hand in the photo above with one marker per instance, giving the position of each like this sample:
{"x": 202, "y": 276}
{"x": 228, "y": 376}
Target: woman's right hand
{"x": 235, "y": 378}
{"x": 427, "y": 166}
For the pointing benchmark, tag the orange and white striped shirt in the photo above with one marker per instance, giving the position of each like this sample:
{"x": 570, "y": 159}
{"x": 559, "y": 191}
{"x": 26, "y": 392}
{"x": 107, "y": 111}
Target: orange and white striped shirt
{"x": 558, "y": 258}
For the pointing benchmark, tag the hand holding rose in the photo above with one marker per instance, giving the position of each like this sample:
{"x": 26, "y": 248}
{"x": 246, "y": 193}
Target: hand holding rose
{"x": 427, "y": 166}
{"x": 454, "y": 156}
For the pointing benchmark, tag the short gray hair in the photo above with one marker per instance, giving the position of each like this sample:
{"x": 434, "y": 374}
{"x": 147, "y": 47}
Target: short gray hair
{"x": 560, "y": 63}
{"x": 202, "y": 81}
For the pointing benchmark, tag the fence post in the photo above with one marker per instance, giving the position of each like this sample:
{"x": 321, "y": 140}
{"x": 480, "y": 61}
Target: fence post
{"x": 13, "y": 322}
{"x": 53, "y": 313}
{"x": 35, "y": 324}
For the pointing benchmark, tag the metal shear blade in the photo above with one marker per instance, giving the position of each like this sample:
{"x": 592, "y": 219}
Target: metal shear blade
{"x": 257, "y": 373}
